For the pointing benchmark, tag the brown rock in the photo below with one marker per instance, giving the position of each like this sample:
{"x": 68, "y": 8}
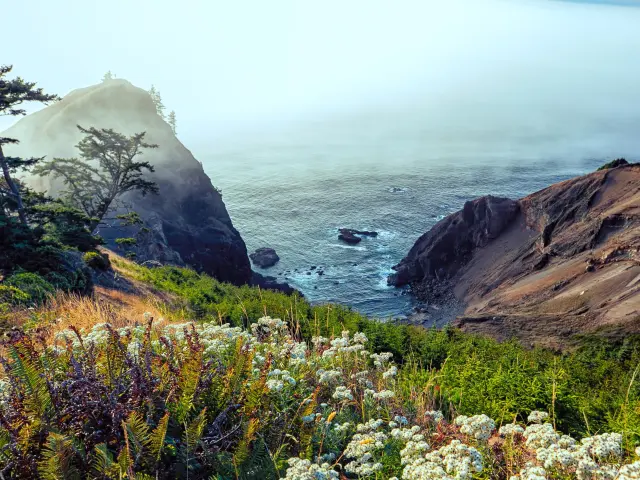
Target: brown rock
{"x": 522, "y": 274}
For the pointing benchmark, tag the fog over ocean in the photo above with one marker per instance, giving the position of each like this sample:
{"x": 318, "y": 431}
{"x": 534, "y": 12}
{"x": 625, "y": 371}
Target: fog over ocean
{"x": 366, "y": 114}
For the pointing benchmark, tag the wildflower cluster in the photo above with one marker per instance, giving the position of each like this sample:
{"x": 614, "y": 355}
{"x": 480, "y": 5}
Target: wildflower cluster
{"x": 223, "y": 399}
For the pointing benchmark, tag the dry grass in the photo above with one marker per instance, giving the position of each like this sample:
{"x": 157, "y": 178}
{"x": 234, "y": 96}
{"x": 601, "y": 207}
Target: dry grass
{"x": 117, "y": 308}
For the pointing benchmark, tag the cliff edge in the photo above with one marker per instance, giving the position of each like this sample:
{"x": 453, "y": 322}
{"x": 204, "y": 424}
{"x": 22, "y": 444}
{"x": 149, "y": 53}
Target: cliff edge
{"x": 561, "y": 262}
{"x": 188, "y": 222}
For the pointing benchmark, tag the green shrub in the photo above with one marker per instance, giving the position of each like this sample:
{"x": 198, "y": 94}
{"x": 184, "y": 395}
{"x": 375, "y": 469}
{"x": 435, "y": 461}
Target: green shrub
{"x": 60, "y": 281}
{"x": 12, "y": 295}
{"x": 97, "y": 260}
{"x": 618, "y": 162}
{"x": 36, "y": 287}
{"x": 126, "y": 241}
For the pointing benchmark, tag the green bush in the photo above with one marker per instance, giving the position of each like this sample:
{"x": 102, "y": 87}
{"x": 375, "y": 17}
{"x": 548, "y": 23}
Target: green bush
{"x": 97, "y": 260}
{"x": 618, "y": 162}
{"x": 36, "y": 287}
{"x": 12, "y": 295}
{"x": 60, "y": 281}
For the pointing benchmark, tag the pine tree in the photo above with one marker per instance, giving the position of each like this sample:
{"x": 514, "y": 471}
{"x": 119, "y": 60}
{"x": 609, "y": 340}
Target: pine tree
{"x": 172, "y": 121}
{"x": 12, "y": 94}
{"x": 157, "y": 101}
{"x": 107, "y": 76}
{"x": 95, "y": 189}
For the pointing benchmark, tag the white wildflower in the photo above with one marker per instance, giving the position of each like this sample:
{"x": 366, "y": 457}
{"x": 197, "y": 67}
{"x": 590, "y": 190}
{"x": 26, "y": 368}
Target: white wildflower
{"x": 537, "y": 417}
{"x": 479, "y": 426}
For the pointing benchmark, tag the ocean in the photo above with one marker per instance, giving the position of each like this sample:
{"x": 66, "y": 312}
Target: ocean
{"x": 292, "y": 188}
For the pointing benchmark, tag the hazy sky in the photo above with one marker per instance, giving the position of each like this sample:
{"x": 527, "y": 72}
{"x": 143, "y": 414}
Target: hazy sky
{"x": 225, "y": 64}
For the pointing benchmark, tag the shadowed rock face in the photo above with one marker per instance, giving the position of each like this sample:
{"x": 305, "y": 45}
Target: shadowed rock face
{"x": 440, "y": 252}
{"x": 560, "y": 262}
{"x": 188, "y": 222}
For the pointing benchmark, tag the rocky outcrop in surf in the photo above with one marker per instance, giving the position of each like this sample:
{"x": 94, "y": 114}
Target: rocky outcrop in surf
{"x": 352, "y": 237}
{"x": 264, "y": 257}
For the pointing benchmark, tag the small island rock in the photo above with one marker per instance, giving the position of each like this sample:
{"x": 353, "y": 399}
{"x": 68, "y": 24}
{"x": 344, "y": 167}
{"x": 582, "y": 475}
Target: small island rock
{"x": 264, "y": 257}
{"x": 352, "y": 237}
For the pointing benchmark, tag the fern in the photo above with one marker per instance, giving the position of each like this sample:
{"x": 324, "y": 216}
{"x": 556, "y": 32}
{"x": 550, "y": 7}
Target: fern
{"x": 5, "y": 444}
{"x": 193, "y": 432}
{"x": 157, "y": 438}
{"x": 242, "y": 451}
{"x": 191, "y": 438}
{"x": 259, "y": 465}
{"x": 57, "y": 459}
{"x": 125, "y": 460}
{"x": 187, "y": 386}
{"x": 102, "y": 463}
{"x": 137, "y": 435}
{"x": 31, "y": 375}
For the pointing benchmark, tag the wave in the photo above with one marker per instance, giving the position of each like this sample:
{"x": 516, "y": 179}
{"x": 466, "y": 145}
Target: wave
{"x": 349, "y": 247}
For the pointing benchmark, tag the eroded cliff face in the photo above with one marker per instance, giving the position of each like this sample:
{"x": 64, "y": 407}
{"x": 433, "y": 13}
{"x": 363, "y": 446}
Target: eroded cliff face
{"x": 561, "y": 262}
{"x": 187, "y": 222}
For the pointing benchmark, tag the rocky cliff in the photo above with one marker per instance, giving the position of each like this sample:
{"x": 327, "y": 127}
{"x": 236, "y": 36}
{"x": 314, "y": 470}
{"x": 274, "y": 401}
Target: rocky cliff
{"x": 560, "y": 262}
{"x": 188, "y": 222}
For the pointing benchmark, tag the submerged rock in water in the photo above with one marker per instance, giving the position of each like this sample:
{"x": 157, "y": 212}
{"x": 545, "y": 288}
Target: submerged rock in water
{"x": 264, "y": 257}
{"x": 272, "y": 283}
{"x": 352, "y": 237}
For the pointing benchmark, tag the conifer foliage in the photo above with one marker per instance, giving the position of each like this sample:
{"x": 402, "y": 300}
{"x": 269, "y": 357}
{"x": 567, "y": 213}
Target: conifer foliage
{"x": 157, "y": 101}
{"x": 13, "y": 93}
{"x": 171, "y": 120}
{"x": 96, "y": 189}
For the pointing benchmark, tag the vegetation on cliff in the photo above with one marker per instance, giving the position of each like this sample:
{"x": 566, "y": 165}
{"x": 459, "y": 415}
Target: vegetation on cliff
{"x": 263, "y": 385}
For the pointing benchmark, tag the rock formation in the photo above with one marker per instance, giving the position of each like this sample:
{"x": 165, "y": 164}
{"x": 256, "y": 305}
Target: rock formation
{"x": 187, "y": 222}
{"x": 440, "y": 252}
{"x": 560, "y": 262}
{"x": 352, "y": 237}
{"x": 264, "y": 257}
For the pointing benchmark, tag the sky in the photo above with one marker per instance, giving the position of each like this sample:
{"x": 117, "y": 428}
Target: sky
{"x": 225, "y": 65}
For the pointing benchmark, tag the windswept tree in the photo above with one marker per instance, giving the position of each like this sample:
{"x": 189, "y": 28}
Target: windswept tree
{"x": 171, "y": 120}
{"x": 157, "y": 101}
{"x": 108, "y": 76}
{"x": 108, "y": 168}
{"x": 14, "y": 93}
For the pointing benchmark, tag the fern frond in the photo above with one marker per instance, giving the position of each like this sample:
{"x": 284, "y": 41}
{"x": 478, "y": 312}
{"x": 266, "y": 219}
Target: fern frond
{"x": 102, "y": 463}
{"x": 137, "y": 435}
{"x": 187, "y": 387}
{"x": 143, "y": 476}
{"x": 31, "y": 375}
{"x": 193, "y": 432}
{"x": 57, "y": 459}
{"x": 125, "y": 459}
{"x": 259, "y": 465}
{"x": 242, "y": 451}
{"x": 5, "y": 443}
{"x": 157, "y": 437}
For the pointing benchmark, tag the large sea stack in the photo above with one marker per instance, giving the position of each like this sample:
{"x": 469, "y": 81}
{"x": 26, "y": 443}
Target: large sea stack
{"x": 188, "y": 222}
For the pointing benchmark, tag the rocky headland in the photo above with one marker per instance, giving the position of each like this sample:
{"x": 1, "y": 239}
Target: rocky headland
{"x": 561, "y": 262}
{"x": 187, "y": 223}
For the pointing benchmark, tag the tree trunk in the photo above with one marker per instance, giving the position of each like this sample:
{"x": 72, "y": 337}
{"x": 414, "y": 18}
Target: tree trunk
{"x": 13, "y": 187}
